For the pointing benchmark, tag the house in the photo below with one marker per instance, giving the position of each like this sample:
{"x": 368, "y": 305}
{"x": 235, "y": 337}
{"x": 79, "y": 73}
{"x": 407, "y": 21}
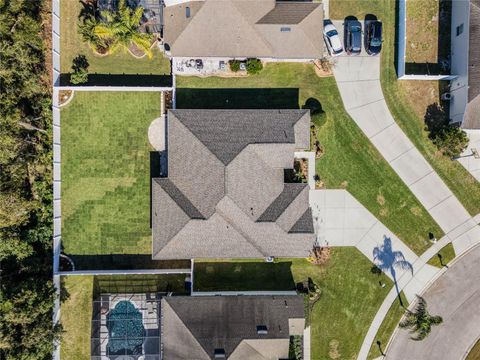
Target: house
{"x": 225, "y": 194}
{"x": 227, "y": 29}
{"x": 465, "y": 89}
{"x": 230, "y": 327}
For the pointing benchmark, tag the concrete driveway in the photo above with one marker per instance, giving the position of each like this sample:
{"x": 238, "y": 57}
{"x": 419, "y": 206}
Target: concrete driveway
{"x": 456, "y": 297}
{"x": 358, "y": 79}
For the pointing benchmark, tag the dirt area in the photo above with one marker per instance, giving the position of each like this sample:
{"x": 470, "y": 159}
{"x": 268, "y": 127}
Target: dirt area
{"x": 420, "y": 94}
{"x": 323, "y": 68}
{"x": 422, "y": 31}
{"x": 64, "y": 96}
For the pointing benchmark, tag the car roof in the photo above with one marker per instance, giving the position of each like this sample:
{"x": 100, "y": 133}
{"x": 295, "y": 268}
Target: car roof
{"x": 329, "y": 27}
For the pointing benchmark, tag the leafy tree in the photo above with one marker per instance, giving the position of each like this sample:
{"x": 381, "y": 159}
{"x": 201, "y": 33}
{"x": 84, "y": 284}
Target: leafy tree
{"x": 254, "y": 66}
{"x": 26, "y": 289}
{"x": 449, "y": 138}
{"x": 452, "y": 141}
{"x": 419, "y": 321}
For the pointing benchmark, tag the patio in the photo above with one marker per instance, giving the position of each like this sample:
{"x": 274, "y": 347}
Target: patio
{"x": 203, "y": 67}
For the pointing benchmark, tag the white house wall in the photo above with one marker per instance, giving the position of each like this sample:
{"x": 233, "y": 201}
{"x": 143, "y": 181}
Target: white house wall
{"x": 459, "y": 62}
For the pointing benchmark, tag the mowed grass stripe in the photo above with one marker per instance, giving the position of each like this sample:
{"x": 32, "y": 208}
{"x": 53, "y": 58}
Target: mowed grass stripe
{"x": 105, "y": 172}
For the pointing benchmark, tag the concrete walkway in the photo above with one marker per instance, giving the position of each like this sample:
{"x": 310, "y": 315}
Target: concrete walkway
{"x": 340, "y": 220}
{"x": 456, "y": 297}
{"x": 467, "y": 159}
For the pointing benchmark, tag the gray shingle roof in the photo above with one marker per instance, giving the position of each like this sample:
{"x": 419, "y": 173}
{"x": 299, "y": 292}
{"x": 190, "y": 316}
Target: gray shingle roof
{"x": 472, "y": 111}
{"x": 304, "y": 223}
{"x": 288, "y": 13}
{"x": 223, "y": 322}
{"x": 280, "y": 204}
{"x": 227, "y": 132}
{"x": 181, "y": 200}
{"x": 225, "y": 181}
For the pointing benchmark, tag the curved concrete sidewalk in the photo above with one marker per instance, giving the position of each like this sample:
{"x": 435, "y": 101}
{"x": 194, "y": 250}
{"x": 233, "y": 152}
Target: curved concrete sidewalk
{"x": 456, "y": 297}
{"x": 358, "y": 80}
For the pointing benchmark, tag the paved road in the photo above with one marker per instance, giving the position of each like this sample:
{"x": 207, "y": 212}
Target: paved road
{"x": 358, "y": 79}
{"x": 456, "y": 297}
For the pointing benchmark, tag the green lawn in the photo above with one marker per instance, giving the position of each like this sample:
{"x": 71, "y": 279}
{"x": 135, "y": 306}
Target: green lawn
{"x": 402, "y": 106}
{"x": 71, "y": 45}
{"x": 350, "y": 160}
{"x": 443, "y": 257}
{"x": 76, "y": 318}
{"x": 106, "y": 172}
{"x": 387, "y": 327}
{"x": 348, "y": 303}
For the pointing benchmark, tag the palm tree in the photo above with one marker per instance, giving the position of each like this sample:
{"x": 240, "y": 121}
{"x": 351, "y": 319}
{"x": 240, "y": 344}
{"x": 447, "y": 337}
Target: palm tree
{"x": 388, "y": 260}
{"x": 420, "y": 321}
{"x": 120, "y": 30}
{"x": 87, "y": 30}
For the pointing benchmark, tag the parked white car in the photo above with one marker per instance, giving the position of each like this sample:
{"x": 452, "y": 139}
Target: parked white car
{"x": 332, "y": 39}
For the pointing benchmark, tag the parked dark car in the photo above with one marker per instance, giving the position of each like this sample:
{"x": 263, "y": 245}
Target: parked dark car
{"x": 373, "y": 38}
{"x": 353, "y": 37}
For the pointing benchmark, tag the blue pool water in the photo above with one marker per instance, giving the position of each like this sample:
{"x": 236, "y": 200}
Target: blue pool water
{"x": 125, "y": 329}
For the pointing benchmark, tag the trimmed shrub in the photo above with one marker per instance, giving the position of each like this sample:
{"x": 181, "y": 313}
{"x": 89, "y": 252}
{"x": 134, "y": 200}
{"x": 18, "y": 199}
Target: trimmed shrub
{"x": 80, "y": 70}
{"x": 234, "y": 65}
{"x": 451, "y": 141}
{"x": 254, "y": 66}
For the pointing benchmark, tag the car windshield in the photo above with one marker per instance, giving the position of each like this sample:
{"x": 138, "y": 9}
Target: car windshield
{"x": 376, "y": 42}
{"x": 332, "y": 33}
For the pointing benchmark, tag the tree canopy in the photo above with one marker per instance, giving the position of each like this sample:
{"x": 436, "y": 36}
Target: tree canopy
{"x": 26, "y": 288}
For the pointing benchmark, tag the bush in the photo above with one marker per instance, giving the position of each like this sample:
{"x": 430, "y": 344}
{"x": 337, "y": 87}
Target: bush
{"x": 234, "y": 65}
{"x": 80, "y": 70}
{"x": 449, "y": 139}
{"x": 452, "y": 141}
{"x": 254, "y": 66}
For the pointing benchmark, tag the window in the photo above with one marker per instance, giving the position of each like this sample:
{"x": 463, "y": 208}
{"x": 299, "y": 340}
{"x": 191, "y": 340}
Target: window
{"x": 187, "y": 12}
{"x": 219, "y": 354}
{"x": 262, "y": 329}
{"x": 285, "y": 29}
{"x": 459, "y": 29}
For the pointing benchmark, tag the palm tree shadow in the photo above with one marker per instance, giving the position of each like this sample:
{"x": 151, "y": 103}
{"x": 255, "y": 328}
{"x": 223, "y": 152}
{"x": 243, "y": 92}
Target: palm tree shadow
{"x": 388, "y": 260}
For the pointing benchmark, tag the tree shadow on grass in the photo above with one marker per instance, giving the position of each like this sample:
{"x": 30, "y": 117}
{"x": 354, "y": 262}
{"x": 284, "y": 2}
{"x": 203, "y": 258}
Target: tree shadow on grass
{"x": 260, "y": 98}
{"x": 388, "y": 260}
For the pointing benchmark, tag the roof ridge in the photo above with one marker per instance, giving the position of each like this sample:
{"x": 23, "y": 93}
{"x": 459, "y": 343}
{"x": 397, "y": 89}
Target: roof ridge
{"x": 237, "y": 228}
{"x": 252, "y": 25}
{"x": 161, "y": 181}
{"x": 186, "y": 327}
{"x": 286, "y": 186}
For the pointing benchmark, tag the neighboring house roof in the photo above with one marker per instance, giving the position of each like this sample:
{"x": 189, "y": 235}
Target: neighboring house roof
{"x": 194, "y": 327}
{"x": 472, "y": 112}
{"x": 225, "y": 194}
{"x": 245, "y": 28}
